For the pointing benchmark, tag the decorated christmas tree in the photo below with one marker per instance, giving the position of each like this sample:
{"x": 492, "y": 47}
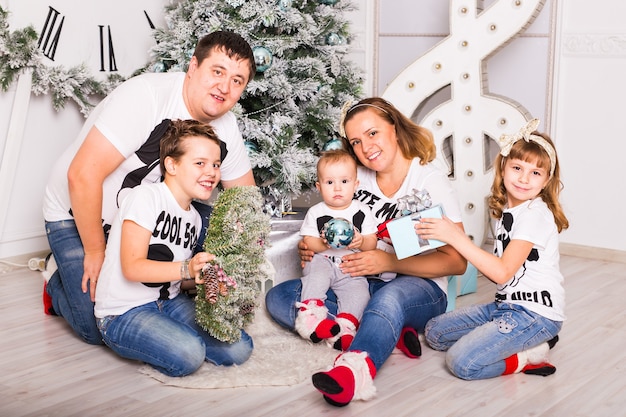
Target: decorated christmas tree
{"x": 291, "y": 108}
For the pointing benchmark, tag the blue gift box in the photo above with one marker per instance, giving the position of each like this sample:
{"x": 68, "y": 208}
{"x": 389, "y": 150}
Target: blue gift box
{"x": 402, "y": 233}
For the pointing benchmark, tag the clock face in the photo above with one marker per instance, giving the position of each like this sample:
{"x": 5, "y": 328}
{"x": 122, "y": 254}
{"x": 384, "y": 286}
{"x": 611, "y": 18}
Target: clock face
{"x": 108, "y": 36}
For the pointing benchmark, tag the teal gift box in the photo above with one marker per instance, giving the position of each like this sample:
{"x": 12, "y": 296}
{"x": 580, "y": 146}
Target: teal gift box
{"x": 402, "y": 233}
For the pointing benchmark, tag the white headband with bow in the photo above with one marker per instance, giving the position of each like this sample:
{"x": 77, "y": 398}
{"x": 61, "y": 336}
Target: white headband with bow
{"x": 506, "y": 142}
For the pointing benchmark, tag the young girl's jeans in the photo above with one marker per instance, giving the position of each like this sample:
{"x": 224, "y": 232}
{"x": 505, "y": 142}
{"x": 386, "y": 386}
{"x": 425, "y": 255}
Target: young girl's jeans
{"x": 64, "y": 287}
{"x": 478, "y": 338}
{"x": 164, "y": 335}
{"x": 401, "y": 302}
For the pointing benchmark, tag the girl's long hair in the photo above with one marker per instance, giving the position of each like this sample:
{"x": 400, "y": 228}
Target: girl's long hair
{"x": 530, "y": 152}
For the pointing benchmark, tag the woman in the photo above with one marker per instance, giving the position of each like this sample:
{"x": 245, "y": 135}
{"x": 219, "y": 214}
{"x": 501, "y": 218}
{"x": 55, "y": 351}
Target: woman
{"x": 395, "y": 155}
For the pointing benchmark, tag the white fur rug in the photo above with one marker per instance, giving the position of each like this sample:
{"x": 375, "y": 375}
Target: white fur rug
{"x": 279, "y": 358}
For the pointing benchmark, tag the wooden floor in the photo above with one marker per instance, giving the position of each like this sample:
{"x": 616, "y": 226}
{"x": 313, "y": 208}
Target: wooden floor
{"x": 46, "y": 371}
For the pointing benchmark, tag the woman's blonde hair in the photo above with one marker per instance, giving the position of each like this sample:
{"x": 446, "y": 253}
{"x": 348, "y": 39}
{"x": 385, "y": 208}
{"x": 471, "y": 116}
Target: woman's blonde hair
{"x": 531, "y": 152}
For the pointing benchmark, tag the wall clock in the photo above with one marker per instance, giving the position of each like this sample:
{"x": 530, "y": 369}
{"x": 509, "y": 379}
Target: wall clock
{"x": 109, "y": 37}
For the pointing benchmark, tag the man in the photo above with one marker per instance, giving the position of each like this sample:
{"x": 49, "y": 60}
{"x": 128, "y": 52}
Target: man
{"x": 118, "y": 148}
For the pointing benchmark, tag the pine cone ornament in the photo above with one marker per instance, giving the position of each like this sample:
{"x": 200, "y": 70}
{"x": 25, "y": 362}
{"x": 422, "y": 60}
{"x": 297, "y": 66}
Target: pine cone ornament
{"x": 211, "y": 283}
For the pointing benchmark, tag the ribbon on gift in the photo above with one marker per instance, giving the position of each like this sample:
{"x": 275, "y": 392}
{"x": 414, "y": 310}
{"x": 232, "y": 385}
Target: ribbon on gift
{"x": 418, "y": 200}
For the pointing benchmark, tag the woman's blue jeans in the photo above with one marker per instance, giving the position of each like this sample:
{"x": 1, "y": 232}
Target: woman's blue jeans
{"x": 405, "y": 301}
{"x": 479, "y": 338}
{"x": 164, "y": 335}
{"x": 64, "y": 287}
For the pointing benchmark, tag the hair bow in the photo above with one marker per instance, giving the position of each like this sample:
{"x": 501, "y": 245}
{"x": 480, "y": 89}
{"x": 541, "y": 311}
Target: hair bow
{"x": 506, "y": 142}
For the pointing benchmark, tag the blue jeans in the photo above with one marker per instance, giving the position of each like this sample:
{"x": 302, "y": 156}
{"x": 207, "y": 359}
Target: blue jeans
{"x": 164, "y": 334}
{"x": 405, "y": 301}
{"x": 479, "y": 338}
{"x": 68, "y": 299}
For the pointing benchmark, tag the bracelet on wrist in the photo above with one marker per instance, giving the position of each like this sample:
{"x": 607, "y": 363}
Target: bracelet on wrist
{"x": 184, "y": 270}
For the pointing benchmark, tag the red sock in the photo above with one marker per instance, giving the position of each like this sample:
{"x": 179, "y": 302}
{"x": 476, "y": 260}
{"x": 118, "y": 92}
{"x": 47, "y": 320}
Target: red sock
{"x": 409, "y": 343}
{"x": 47, "y": 302}
{"x": 510, "y": 365}
{"x": 348, "y": 327}
{"x": 543, "y": 368}
{"x": 339, "y": 384}
{"x": 312, "y": 322}
{"x": 326, "y": 329}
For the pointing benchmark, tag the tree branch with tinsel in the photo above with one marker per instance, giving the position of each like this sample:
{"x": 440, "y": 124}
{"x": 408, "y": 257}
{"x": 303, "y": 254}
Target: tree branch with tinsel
{"x": 238, "y": 234}
{"x": 291, "y": 108}
{"x": 19, "y": 52}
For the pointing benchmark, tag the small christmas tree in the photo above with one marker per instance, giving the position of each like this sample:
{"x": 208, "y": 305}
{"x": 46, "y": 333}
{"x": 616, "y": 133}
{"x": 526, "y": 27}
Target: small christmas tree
{"x": 237, "y": 235}
{"x": 292, "y": 106}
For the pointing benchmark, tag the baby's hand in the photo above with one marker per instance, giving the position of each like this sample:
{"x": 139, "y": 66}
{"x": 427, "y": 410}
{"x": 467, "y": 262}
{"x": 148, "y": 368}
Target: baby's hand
{"x": 324, "y": 241}
{"x": 357, "y": 240}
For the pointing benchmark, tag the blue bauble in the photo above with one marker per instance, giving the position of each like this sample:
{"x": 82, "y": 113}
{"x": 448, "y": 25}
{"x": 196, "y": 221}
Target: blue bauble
{"x": 333, "y": 144}
{"x": 334, "y": 39}
{"x": 339, "y": 232}
{"x": 159, "y": 67}
{"x": 328, "y": 2}
{"x": 285, "y": 4}
{"x": 251, "y": 147}
{"x": 262, "y": 58}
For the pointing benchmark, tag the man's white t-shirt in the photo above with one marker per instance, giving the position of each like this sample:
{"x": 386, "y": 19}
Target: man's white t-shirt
{"x": 131, "y": 119}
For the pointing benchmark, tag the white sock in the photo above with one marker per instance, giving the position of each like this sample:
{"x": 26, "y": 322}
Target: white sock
{"x": 533, "y": 356}
{"x": 51, "y": 267}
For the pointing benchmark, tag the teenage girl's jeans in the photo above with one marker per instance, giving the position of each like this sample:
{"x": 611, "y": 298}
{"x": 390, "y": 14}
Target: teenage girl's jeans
{"x": 478, "y": 338}
{"x": 405, "y": 301}
{"x": 64, "y": 287}
{"x": 164, "y": 335}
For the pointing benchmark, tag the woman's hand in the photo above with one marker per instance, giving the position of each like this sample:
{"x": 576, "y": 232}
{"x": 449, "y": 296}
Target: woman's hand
{"x": 369, "y": 262}
{"x": 305, "y": 253}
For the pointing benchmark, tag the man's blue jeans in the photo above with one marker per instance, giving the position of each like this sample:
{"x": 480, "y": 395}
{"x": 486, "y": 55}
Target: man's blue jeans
{"x": 405, "y": 301}
{"x": 478, "y": 338}
{"x": 164, "y": 335}
{"x": 64, "y": 287}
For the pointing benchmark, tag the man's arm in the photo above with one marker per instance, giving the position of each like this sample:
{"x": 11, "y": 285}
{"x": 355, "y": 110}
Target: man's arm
{"x": 94, "y": 161}
{"x": 245, "y": 179}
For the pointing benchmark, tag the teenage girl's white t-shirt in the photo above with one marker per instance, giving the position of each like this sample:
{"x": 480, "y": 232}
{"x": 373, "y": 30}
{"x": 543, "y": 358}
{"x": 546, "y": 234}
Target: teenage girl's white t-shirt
{"x": 174, "y": 233}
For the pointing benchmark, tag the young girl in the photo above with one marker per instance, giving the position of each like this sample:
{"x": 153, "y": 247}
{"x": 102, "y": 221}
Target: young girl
{"x": 140, "y": 311}
{"x": 514, "y": 333}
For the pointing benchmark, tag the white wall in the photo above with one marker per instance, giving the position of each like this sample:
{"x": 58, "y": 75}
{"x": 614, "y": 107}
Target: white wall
{"x": 589, "y": 120}
{"x": 584, "y": 113}
{"x": 568, "y": 69}
{"x": 32, "y": 133}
